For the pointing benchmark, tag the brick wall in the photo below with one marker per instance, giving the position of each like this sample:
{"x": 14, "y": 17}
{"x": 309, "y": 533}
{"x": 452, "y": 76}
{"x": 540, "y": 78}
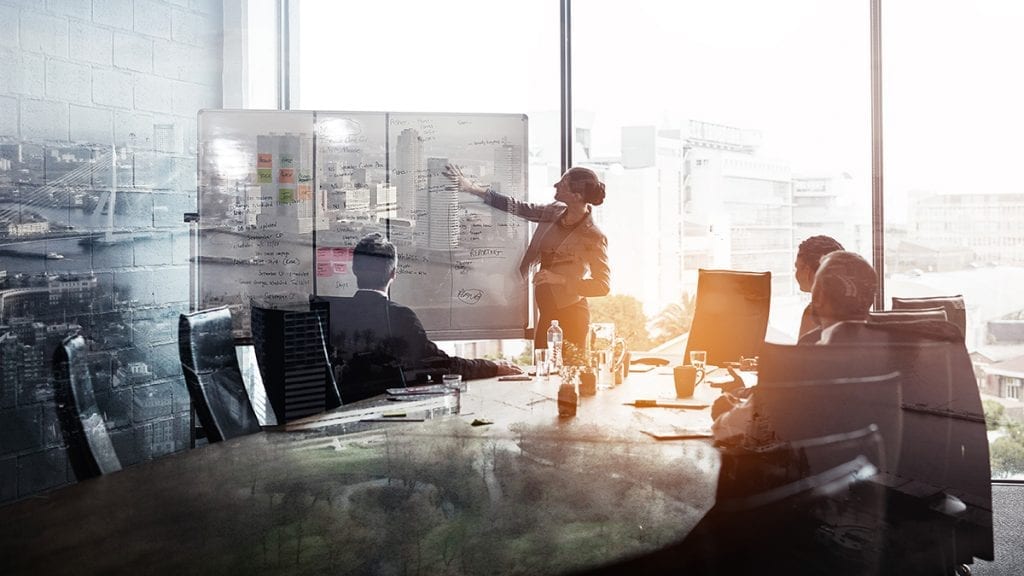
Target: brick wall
{"x": 94, "y": 93}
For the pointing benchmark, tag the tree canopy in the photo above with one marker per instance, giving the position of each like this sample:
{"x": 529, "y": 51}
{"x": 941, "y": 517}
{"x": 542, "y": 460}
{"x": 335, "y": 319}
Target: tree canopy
{"x": 627, "y": 313}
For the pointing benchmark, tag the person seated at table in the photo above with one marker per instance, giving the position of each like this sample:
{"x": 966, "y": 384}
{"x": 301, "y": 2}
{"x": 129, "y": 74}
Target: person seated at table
{"x": 844, "y": 289}
{"x": 378, "y": 343}
{"x": 808, "y": 259}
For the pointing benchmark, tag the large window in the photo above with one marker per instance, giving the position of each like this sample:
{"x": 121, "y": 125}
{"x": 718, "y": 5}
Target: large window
{"x": 450, "y": 56}
{"x": 953, "y": 199}
{"x": 727, "y": 132}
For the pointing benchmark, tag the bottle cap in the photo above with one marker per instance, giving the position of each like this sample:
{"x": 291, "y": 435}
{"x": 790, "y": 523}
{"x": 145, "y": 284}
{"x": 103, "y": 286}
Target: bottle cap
{"x": 554, "y": 322}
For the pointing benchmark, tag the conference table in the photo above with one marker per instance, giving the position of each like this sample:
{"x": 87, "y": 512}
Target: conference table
{"x": 492, "y": 481}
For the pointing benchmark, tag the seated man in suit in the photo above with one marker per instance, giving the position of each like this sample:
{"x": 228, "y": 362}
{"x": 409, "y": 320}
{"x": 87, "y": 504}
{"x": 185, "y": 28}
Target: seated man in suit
{"x": 808, "y": 259}
{"x": 844, "y": 289}
{"x": 378, "y": 343}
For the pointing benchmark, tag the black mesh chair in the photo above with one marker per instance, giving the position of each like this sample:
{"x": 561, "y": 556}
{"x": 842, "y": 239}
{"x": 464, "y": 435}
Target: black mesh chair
{"x": 731, "y": 315}
{"x": 89, "y": 448}
{"x": 364, "y": 357}
{"x": 214, "y": 380}
{"x": 956, "y": 312}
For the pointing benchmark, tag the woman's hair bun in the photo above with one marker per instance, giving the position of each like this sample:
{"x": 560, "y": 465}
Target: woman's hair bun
{"x": 584, "y": 182}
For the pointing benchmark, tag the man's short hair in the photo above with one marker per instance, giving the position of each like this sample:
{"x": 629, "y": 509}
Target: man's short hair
{"x": 813, "y": 249}
{"x": 374, "y": 262}
{"x": 845, "y": 285}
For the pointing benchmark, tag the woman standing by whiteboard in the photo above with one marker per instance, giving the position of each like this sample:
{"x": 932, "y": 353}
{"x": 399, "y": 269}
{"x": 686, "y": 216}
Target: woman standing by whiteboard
{"x": 571, "y": 251}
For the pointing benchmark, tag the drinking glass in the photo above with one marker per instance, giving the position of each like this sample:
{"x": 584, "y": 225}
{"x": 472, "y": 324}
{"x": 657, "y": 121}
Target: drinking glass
{"x": 541, "y": 362}
{"x": 455, "y": 381}
{"x": 602, "y": 336}
{"x": 605, "y": 378}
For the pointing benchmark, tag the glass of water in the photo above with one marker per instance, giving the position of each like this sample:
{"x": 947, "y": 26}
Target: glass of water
{"x": 541, "y": 362}
{"x": 455, "y": 381}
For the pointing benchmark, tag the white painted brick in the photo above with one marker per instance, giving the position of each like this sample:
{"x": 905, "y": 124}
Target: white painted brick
{"x": 91, "y": 43}
{"x": 133, "y": 52}
{"x": 192, "y": 28}
{"x": 43, "y": 33}
{"x": 171, "y": 59}
{"x": 33, "y": 74}
{"x": 196, "y": 64}
{"x": 68, "y": 81}
{"x": 90, "y": 124}
{"x": 21, "y": 73}
{"x": 209, "y": 69}
{"x": 153, "y": 93}
{"x": 9, "y": 26}
{"x": 174, "y": 59}
{"x": 190, "y": 98}
{"x": 44, "y": 120}
{"x": 75, "y": 8}
{"x": 153, "y": 18}
{"x": 112, "y": 88}
{"x": 204, "y": 6}
{"x": 9, "y": 116}
{"x": 133, "y": 128}
{"x": 116, "y": 13}
{"x": 190, "y": 134}
{"x": 10, "y": 74}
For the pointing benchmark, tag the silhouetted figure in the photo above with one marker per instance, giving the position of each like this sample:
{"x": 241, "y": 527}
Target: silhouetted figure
{"x": 808, "y": 259}
{"x": 378, "y": 343}
{"x": 570, "y": 249}
{"x": 843, "y": 290}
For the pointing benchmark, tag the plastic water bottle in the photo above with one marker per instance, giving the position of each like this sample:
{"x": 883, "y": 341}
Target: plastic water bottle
{"x": 555, "y": 345}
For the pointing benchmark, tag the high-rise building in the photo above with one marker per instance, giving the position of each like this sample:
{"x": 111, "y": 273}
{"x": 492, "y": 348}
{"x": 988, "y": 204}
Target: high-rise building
{"x": 986, "y": 224}
{"x": 817, "y": 206}
{"x": 508, "y": 179}
{"x": 407, "y": 171}
{"x": 437, "y": 209}
{"x": 385, "y": 201}
{"x": 744, "y": 199}
{"x": 825, "y": 204}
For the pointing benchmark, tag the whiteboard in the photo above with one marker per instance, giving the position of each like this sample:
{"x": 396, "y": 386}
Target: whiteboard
{"x": 284, "y": 196}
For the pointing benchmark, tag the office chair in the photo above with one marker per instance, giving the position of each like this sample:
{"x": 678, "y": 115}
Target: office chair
{"x": 214, "y": 380}
{"x": 362, "y": 348}
{"x": 944, "y": 459}
{"x": 908, "y": 315}
{"x": 89, "y": 448}
{"x": 953, "y": 305}
{"x": 731, "y": 315}
{"x": 799, "y": 410}
{"x": 776, "y": 513}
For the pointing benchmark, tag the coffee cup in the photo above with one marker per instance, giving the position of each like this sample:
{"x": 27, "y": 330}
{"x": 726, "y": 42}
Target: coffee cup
{"x": 686, "y": 380}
